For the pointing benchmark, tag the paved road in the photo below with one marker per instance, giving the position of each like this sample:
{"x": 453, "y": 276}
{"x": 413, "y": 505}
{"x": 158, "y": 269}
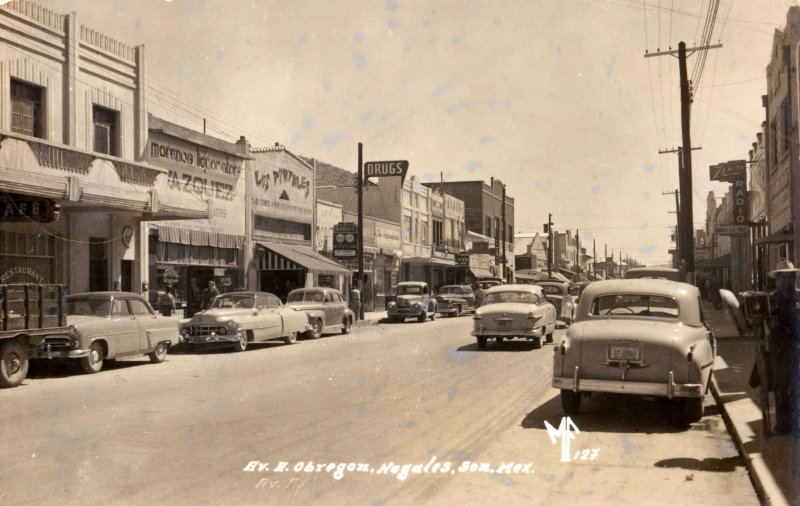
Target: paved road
{"x": 217, "y": 427}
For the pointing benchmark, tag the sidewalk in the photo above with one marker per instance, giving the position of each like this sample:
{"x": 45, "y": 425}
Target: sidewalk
{"x": 772, "y": 462}
{"x": 371, "y": 318}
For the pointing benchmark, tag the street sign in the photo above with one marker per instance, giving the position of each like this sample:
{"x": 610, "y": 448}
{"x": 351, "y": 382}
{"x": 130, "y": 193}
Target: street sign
{"x": 386, "y": 169}
{"x": 735, "y": 230}
{"x": 345, "y": 240}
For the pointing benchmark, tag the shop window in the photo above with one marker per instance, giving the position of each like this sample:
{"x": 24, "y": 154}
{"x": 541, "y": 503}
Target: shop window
{"x": 105, "y": 130}
{"x": 27, "y": 258}
{"x": 26, "y": 109}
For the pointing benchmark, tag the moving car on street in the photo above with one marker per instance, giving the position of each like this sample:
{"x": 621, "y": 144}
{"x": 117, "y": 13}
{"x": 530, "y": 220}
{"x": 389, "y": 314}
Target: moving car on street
{"x": 107, "y": 326}
{"x": 559, "y": 294}
{"x": 326, "y": 309}
{"x": 238, "y": 318}
{"x": 511, "y": 311}
{"x": 653, "y": 273}
{"x": 413, "y": 300}
{"x": 639, "y": 337}
{"x": 453, "y": 300}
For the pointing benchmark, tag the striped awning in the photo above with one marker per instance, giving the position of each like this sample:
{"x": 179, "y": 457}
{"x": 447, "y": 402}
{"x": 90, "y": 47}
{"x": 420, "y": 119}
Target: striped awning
{"x": 278, "y": 256}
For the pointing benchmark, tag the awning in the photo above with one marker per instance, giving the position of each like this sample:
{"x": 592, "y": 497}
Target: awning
{"x": 429, "y": 261}
{"x": 480, "y": 272}
{"x": 781, "y": 237}
{"x": 194, "y": 237}
{"x": 294, "y": 256}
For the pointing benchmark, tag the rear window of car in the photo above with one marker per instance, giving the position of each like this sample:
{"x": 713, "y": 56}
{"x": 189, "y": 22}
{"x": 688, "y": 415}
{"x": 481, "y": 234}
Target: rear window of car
{"x": 304, "y": 295}
{"x": 551, "y": 289}
{"x": 409, "y": 290}
{"x": 511, "y": 297}
{"x": 657, "y": 306}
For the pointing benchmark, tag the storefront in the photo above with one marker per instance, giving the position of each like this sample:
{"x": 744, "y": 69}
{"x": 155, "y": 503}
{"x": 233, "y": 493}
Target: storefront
{"x": 185, "y": 255}
{"x": 282, "y": 206}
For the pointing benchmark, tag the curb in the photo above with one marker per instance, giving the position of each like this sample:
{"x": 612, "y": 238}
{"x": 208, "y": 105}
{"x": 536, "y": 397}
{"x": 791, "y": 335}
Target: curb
{"x": 755, "y": 464}
{"x": 365, "y": 323}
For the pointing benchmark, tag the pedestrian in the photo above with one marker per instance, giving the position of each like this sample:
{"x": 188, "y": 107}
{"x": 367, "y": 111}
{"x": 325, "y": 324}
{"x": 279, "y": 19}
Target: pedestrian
{"x": 712, "y": 287}
{"x": 166, "y": 303}
{"x": 355, "y": 302}
{"x": 782, "y": 348}
{"x": 208, "y": 295}
{"x": 478, "y": 295}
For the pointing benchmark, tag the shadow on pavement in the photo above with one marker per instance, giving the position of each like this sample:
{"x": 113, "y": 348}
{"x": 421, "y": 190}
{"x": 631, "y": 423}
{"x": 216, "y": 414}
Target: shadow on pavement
{"x": 512, "y": 345}
{"x": 726, "y": 465}
{"x": 62, "y": 368}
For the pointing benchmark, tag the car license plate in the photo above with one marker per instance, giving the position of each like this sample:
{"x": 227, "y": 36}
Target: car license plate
{"x": 504, "y": 323}
{"x": 631, "y": 353}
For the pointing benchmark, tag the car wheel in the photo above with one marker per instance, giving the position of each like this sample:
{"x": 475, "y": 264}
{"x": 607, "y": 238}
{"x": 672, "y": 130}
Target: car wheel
{"x": 94, "y": 361}
{"x": 537, "y": 342}
{"x": 692, "y": 409}
{"x": 316, "y": 329}
{"x": 241, "y": 344}
{"x": 481, "y": 342}
{"x": 159, "y": 354}
{"x": 348, "y": 326}
{"x": 498, "y": 340}
{"x": 570, "y": 402}
{"x": 291, "y": 338}
{"x": 13, "y": 364}
{"x": 549, "y": 337}
{"x": 421, "y": 318}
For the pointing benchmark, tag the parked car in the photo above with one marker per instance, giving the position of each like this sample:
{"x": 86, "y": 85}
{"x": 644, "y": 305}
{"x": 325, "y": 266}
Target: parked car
{"x": 638, "y": 337}
{"x": 412, "y": 300}
{"x": 653, "y": 272}
{"x": 238, "y": 318}
{"x": 576, "y": 289}
{"x": 483, "y": 284}
{"x": 107, "y": 326}
{"x": 510, "y": 311}
{"x": 454, "y": 300}
{"x": 559, "y": 294}
{"x": 326, "y": 309}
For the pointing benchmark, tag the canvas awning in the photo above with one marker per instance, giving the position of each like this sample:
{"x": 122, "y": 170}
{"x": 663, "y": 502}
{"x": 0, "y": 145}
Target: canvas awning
{"x": 280, "y": 256}
{"x": 481, "y": 272}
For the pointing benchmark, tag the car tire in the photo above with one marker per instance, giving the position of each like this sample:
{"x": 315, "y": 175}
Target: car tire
{"x": 13, "y": 364}
{"x": 692, "y": 409}
{"x": 498, "y": 340}
{"x": 159, "y": 354}
{"x": 570, "y": 402}
{"x": 348, "y": 326}
{"x": 291, "y": 338}
{"x": 93, "y": 363}
{"x": 481, "y": 342}
{"x": 537, "y": 342}
{"x": 316, "y": 329}
{"x": 422, "y": 317}
{"x": 241, "y": 344}
{"x": 549, "y": 337}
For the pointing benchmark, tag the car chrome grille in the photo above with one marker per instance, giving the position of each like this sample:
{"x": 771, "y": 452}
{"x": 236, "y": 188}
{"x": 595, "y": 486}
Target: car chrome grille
{"x": 205, "y": 330}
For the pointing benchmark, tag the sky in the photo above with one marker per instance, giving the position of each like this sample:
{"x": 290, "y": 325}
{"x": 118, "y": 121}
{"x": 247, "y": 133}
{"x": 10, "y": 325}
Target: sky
{"x": 554, "y": 97}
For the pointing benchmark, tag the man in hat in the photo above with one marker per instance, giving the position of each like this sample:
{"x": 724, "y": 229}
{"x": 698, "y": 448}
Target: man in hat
{"x": 782, "y": 343}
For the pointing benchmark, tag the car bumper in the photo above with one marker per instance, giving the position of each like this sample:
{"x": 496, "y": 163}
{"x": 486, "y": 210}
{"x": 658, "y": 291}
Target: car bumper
{"x": 50, "y": 352}
{"x": 669, "y": 389}
{"x": 406, "y": 313}
{"x": 537, "y": 332}
{"x": 446, "y": 308}
{"x": 212, "y": 338}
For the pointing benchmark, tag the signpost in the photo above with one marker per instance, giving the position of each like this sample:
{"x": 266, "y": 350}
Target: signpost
{"x": 344, "y": 240}
{"x": 393, "y": 168}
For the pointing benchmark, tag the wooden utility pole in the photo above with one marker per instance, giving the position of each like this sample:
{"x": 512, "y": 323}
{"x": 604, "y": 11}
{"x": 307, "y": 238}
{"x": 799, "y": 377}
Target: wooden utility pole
{"x": 360, "y": 245}
{"x": 594, "y": 258}
{"x": 685, "y": 218}
{"x": 550, "y": 245}
{"x": 577, "y": 254}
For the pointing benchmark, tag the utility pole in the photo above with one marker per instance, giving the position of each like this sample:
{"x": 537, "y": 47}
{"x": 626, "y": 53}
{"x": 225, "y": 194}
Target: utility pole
{"x": 550, "y": 245}
{"x": 360, "y": 245}
{"x": 503, "y": 235}
{"x": 605, "y": 260}
{"x": 577, "y": 254}
{"x": 685, "y": 175}
{"x": 594, "y": 258}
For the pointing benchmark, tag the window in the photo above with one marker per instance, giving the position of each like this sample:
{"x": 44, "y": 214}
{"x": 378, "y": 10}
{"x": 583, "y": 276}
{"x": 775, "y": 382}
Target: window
{"x": 139, "y": 308}
{"x": 105, "y": 130}
{"x": 488, "y": 230}
{"x": 98, "y": 264}
{"x": 120, "y": 308}
{"x": 26, "y": 109}
{"x": 786, "y": 118}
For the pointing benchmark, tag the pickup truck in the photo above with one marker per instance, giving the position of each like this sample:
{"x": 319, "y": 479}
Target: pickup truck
{"x": 28, "y": 313}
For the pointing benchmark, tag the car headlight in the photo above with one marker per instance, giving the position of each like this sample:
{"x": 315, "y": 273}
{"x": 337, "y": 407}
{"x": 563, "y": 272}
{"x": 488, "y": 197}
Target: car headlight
{"x": 416, "y": 305}
{"x": 392, "y": 305}
{"x": 231, "y": 324}
{"x": 184, "y": 332}
{"x": 222, "y": 331}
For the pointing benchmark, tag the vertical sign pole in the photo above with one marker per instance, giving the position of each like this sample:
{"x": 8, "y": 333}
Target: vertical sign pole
{"x": 360, "y": 245}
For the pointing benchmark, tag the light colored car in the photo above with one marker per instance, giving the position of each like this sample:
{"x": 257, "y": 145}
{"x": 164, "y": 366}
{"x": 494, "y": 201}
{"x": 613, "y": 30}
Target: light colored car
{"x": 510, "y": 311}
{"x": 562, "y": 298}
{"x": 110, "y": 325}
{"x": 326, "y": 309}
{"x": 239, "y": 318}
{"x": 653, "y": 273}
{"x": 641, "y": 337}
{"x": 412, "y": 300}
{"x": 454, "y": 300}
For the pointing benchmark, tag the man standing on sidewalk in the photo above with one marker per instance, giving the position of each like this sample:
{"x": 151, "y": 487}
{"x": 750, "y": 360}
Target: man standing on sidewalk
{"x": 783, "y": 349}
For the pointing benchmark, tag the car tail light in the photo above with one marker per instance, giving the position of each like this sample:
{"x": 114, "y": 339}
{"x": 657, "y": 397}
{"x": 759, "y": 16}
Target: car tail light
{"x": 690, "y": 355}
{"x": 477, "y": 317}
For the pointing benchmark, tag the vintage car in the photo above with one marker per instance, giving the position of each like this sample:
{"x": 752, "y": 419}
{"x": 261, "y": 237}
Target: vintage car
{"x": 454, "y": 300}
{"x": 641, "y": 337}
{"x": 326, "y": 309}
{"x": 239, "y": 318}
{"x": 483, "y": 284}
{"x": 654, "y": 273}
{"x": 510, "y": 311}
{"x": 107, "y": 326}
{"x": 576, "y": 289}
{"x": 558, "y": 293}
{"x": 412, "y": 300}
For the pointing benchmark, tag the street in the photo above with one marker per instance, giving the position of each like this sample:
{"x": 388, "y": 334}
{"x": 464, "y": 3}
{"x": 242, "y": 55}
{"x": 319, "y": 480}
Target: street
{"x": 391, "y": 414}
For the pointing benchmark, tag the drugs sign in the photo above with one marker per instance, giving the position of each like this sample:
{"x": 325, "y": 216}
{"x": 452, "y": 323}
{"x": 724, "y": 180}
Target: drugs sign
{"x": 386, "y": 169}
